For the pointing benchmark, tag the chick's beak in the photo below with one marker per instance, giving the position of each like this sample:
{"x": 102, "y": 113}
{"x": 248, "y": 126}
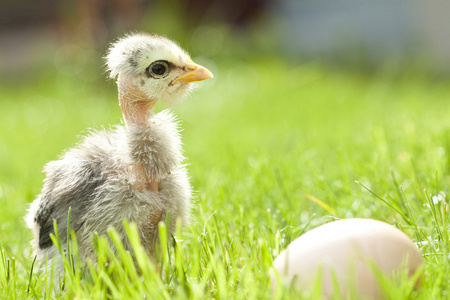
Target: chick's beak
{"x": 194, "y": 72}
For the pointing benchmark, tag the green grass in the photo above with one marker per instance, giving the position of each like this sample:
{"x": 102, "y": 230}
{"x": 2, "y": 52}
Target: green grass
{"x": 262, "y": 139}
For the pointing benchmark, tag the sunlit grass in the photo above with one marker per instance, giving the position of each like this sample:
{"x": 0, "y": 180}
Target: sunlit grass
{"x": 273, "y": 150}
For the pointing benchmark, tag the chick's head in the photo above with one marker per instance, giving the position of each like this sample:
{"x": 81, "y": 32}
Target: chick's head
{"x": 155, "y": 65}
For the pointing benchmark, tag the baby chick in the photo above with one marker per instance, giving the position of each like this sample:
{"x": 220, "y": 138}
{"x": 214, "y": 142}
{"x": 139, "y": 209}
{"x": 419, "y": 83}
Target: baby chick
{"x": 133, "y": 172}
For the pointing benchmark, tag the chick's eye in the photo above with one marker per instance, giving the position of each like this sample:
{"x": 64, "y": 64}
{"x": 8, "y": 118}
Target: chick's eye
{"x": 158, "y": 69}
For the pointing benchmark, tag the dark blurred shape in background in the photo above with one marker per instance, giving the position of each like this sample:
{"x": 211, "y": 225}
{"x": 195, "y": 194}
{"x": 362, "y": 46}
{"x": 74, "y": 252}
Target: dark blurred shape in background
{"x": 345, "y": 33}
{"x": 35, "y": 31}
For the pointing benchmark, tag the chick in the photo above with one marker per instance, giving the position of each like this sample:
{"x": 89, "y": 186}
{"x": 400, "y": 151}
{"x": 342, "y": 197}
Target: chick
{"x": 132, "y": 172}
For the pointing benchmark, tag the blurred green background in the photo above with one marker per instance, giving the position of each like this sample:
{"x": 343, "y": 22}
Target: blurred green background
{"x": 308, "y": 97}
{"x": 324, "y": 66}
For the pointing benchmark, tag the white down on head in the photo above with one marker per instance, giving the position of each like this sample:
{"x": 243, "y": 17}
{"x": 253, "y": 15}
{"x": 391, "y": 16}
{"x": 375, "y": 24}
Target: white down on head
{"x": 135, "y": 57}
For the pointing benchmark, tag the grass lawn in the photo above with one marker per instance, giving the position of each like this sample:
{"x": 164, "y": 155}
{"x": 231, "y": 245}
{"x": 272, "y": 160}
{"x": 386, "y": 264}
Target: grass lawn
{"x": 262, "y": 139}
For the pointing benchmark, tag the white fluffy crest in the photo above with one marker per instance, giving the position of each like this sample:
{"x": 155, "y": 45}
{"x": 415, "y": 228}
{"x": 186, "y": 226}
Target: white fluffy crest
{"x": 132, "y": 54}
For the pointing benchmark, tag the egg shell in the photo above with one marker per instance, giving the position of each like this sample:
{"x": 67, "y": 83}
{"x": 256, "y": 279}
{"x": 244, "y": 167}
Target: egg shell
{"x": 343, "y": 252}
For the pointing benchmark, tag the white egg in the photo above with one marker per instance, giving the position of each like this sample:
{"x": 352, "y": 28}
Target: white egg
{"x": 346, "y": 252}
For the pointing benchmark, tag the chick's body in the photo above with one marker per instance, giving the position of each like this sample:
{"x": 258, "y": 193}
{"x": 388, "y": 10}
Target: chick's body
{"x": 133, "y": 172}
{"x": 96, "y": 181}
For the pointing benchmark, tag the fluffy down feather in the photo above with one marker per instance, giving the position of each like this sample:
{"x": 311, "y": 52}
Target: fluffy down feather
{"x": 94, "y": 180}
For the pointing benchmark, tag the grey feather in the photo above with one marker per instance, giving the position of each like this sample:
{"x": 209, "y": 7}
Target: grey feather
{"x": 93, "y": 180}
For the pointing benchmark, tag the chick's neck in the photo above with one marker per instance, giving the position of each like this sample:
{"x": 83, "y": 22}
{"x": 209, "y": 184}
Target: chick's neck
{"x": 134, "y": 103}
{"x": 135, "y": 107}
